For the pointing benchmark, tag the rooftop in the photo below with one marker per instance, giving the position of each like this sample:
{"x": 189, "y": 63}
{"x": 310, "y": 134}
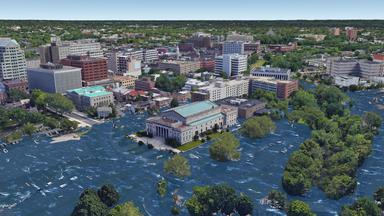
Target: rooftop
{"x": 91, "y": 91}
{"x": 194, "y": 108}
{"x": 8, "y": 42}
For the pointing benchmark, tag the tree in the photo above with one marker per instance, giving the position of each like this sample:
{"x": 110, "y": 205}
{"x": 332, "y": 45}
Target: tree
{"x": 244, "y": 205}
{"x": 210, "y": 200}
{"x": 303, "y": 98}
{"x": 29, "y": 129}
{"x": 108, "y": 195}
{"x": 225, "y": 148}
{"x": 126, "y": 209}
{"x": 257, "y": 127}
{"x": 299, "y": 208}
{"x": 60, "y": 103}
{"x": 17, "y": 95}
{"x": 363, "y": 206}
{"x": 379, "y": 197}
{"x": 174, "y": 103}
{"x": 372, "y": 120}
{"x": 277, "y": 199}
{"x": 178, "y": 166}
{"x": 90, "y": 205}
{"x": 162, "y": 187}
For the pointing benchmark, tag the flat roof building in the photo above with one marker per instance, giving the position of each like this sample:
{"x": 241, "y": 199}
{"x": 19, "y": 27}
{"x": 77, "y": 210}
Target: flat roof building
{"x": 246, "y": 108}
{"x": 92, "y": 69}
{"x": 219, "y": 90}
{"x": 181, "y": 67}
{"x": 282, "y": 88}
{"x": 230, "y": 64}
{"x": 54, "y": 78}
{"x": 233, "y": 47}
{"x": 277, "y": 73}
{"x": 94, "y": 96}
{"x": 58, "y": 49}
{"x": 185, "y": 122}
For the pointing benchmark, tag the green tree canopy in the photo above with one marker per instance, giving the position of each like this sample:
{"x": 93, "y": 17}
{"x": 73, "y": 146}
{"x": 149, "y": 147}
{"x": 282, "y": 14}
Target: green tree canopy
{"x": 257, "y": 127}
{"x": 225, "y": 148}
{"x": 299, "y": 208}
{"x": 178, "y": 166}
{"x": 126, "y": 209}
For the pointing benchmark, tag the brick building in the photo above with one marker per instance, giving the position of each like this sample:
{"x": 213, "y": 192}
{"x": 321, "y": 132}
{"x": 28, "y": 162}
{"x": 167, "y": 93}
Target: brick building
{"x": 92, "y": 69}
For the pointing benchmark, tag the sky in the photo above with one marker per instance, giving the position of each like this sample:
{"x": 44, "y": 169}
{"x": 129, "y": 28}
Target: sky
{"x": 191, "y": 9}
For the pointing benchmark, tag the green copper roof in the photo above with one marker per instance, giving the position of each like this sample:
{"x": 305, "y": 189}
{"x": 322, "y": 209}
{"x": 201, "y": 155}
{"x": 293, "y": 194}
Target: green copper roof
{"x": 194, "y": 108}
{"x": 206, "y": 119}
{"x": 91, "y": 91}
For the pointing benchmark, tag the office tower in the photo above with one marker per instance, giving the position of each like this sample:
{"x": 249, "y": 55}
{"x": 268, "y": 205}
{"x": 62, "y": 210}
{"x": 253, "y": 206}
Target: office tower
{"x": 230, "y": 64}
{"x": 233, "y": 47}
{"x": 58, "y": 49}
{"x": 92, "y": 69}
{"x": 12, "y": 60}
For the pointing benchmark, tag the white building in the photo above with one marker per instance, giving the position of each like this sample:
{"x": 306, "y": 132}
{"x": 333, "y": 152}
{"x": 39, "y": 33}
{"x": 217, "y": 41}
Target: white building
{"x": 277, "y": 73}
{"x": 342, "y": 67}
{"x": 194, "y": 84}
{"x": 233, "y": 47}
{"x": 58, "y": 49}
{"x": 370, "y": 69}
{"x": 185, "y": 122}
{"x": 219, "y": 90}
{"x": 150, "y": 55}
{"x": 12, "y": 60}
{"x": 364, "y": 68}
{"x": 125, "y": 65}
{"x": 230, "y": 64}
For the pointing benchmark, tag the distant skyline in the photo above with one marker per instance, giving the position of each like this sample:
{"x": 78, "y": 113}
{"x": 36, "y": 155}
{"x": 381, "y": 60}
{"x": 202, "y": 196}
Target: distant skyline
{"x": 191, "y": 10}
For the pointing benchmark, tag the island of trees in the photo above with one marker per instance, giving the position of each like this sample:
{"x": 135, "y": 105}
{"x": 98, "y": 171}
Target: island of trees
{"x": 339, "y": 143}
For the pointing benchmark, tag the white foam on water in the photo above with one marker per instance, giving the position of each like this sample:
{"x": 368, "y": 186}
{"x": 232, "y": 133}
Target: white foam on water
{"x": 4, "y": 194}
{"x": 63, "y": 185}
{"x": 31, "y": 156}
{"x": 73, "y": 178}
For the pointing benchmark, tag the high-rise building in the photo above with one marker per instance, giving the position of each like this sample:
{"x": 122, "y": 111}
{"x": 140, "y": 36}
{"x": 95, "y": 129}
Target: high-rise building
{"x": 127, "y": 63}
{"x": 12, "y": 60}
{"x": 92, "y": 69}
{"x": 343, "y": 67}
{"x": 277, "y": 73}
{"x": 230, "y": 64}
{"x": 54, "y": 78}
{"x": 58, "y": 49}
{"x": 233, "y": 47}
{"x": 365, "y": 69}
{"x": 351, "y": 33}
{"x": 201, "y": 40}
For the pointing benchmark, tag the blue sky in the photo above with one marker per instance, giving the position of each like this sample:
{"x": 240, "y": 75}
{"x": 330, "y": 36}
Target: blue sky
{"x": 191, "y": 9}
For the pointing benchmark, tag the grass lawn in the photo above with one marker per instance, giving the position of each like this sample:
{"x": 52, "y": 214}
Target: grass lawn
{"x": 258, "y": 64}
{"x": 194, "y": 144}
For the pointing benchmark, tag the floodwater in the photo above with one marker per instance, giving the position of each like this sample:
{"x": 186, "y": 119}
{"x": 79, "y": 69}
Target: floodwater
{"x": 46, "y": 179}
